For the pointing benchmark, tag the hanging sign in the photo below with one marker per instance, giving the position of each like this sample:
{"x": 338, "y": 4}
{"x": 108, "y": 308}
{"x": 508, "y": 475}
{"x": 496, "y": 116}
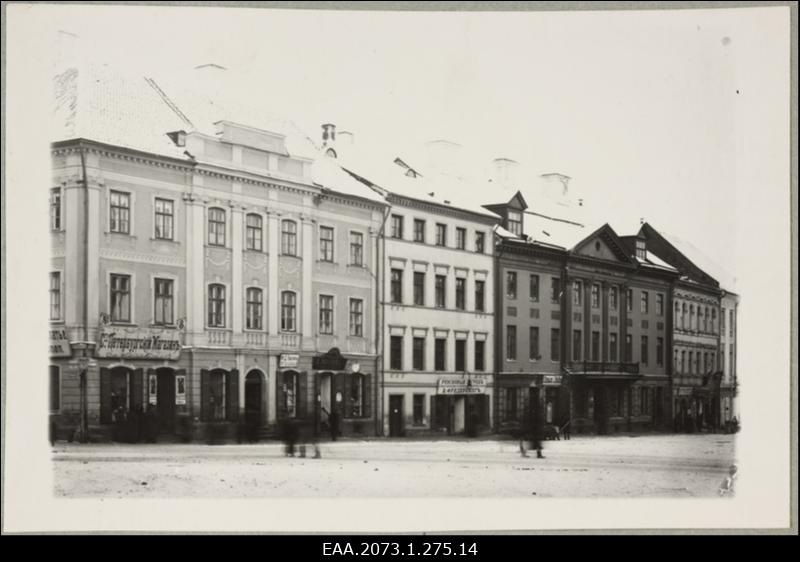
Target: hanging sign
{"x": 59, "y": 343}
{"x": 289, "y": 360}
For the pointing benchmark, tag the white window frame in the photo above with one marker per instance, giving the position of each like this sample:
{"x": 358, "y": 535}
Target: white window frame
{"x": 174, "y": 202}
{"x": 131, "y": 211}
{"x": 296, "y": 238}
{"x": 247, "y": 288}
{"x": 296, "y": 312}
{"x": 60, "y": 209}
{"x": 228, "y": 311}
{"x": 333, "y": 243}
{"x": 225, "y": 230}
{"x": 262, "y": 229}
{"x": 175, "y": 300}
{"x": 350, "y": 248}
{"x": 132, "y": 275}
{"x": 319, "y": 314}
{"x": 349, "y": 317}
{"x": 61, "y": 286}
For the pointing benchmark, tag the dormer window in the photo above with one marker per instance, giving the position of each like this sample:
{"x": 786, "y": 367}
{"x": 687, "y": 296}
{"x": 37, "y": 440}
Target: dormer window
{"x": 514, "y": 222}
{"x": 641, "y": 249}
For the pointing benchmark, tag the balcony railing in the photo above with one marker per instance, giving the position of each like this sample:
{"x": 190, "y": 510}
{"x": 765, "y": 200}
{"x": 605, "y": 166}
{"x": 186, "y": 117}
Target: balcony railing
{"x": 255, "y": 339}
{"x": 290, "y": 341}
{"x": 604, "y": 367}
{"x": 218, "y": 337}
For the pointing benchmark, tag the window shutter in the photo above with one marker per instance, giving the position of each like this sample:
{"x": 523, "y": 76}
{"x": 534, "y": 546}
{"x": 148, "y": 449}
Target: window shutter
{"x": 302, "y": 395}
{"x": 204, "y": 394}
{"x": 433, "y": 412}
{"x": 347, "y": 403}
{"x": 367, "y": 396}
{"x": 137, "y": 388}
{"x": 105, "y": 395}
{"x": 232, "y": 395}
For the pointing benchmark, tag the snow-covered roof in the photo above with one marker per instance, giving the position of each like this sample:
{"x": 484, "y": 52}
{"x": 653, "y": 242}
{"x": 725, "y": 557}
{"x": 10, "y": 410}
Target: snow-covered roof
{"x": 651, "y": 260}
{"x": 555, "y": 232}
{"x": 699, "y": 258}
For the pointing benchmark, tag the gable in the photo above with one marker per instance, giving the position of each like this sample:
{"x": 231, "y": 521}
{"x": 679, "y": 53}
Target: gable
{"x": 596, "y": 247}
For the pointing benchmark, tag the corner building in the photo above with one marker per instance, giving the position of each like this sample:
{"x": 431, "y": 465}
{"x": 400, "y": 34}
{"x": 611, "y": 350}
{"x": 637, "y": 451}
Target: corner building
{"x": 216, "y": 274}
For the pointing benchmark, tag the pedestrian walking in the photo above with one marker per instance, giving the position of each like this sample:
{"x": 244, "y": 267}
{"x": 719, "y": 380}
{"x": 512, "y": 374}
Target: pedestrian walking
{"x": 333, "y": 422}
{"x": 537, "y": 431}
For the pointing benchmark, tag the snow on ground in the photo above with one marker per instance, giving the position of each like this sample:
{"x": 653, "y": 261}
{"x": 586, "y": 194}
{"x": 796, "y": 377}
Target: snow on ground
{"x": 609, "y": 466}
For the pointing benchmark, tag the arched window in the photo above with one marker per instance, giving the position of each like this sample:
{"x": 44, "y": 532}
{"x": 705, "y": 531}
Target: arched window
{"x": 254, "y": 232}
{"x": 254, "y": 309}
{"x": 288, "y": 311}
{"x": 289, "y": 238}
{"x": 216, "y": 306}
{"x": 216, "y": 227}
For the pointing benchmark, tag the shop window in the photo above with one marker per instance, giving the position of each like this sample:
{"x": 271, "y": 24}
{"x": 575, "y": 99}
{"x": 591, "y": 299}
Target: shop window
{"x": 357, "y": 396}
{"x": 216, "y": 396}
{"x": 290, "y": 393}
{"x": 120, "y": 396}
{"x": 419, "y": 409}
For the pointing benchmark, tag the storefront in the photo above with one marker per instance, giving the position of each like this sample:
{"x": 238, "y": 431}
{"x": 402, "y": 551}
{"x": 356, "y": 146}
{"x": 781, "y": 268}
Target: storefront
{"x": 519, "y": 395}
{"x": 461, "y": 405}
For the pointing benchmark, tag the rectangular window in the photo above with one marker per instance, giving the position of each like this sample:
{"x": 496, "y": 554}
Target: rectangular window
{"x": 164, "y": 301}
{"x": 440, "y": 354}
{"x": 419, "y": 230}
{"x": 461, "y": 238}
{"x": 595, "y": 346}
{"x": 216, "y": 306}
{"x": 441, "y": 234}
{"x": 120, "y": 212}
{"x": 356, "y": 249}
{"x": 732, "y": 323}
{"x": 660, "y": 304}
{"x": 397, "y": 226}
{"x": 55, "y": 295}
{"x": 356, "y": 317}
{"x": 288, "y": 311}
{"x": 628, "y": 348}
{"x": 576, "y": 345}
{"x": 290, "y": 390}
{"x": 441, "y": 297}
{"x": 419, "y": 409}
{"x": 629, "y": 303}
{"x": 511, "y": 342}
{"x": 255, "y": 299}
{"x": 216, "y": 227}
{"x": 165, "y": 219}
{"x": 325, "y": 314}
{"x": 479, "y": 355}
{"x": 289, "y": 238}
{"x": 461, "y": 293}
{"x": 480, "y": 291}
{"x": 357, "y": 397}
{"x": 577, "y": 293}
{"x": 55, "y": 209}
{"x": 396, "y": 353}
{"x": 254, "y": 233}
{"x": 511, "y": 285}
{"x": 419, "y": 354}
{"x": 419, "y": 288}
{"x": 480, "y": 242}
{"x": 120, "y": 298}
{"x": 325, "y": 244}
{"x": 397, "y": 286}
{"x": 595, "y": 296}
{"x": 55, "y": 388}
{"x": 613, "y": 298}
{"x": 534, "y": 345}
{"x": 534, "y": 288}
{"x": 555, "y": 289}
{"x": 644, "y": 401}
{"x": 515, "y": 222}
{"x": 645, "y": 302}
{"x": 461, "y": 355}
{"x": 555, "y": 344}
{"x": 612, "y": 347}
{"x": 722, "y": 322}
{"x": 660, "y": 352}
{"x": 645, "y": 357}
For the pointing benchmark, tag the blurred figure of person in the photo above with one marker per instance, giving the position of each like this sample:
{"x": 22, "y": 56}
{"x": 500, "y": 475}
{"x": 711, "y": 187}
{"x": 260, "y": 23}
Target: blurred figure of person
{"x": 290, "y": 434}
{"x": 565, "y": 430}
{"x": 523, "y": 433}
{"x": 150, "y": 424}
{"x": 52, "y": 433}
{"x": 537, "y": 431}
{"x": 333, "y": 423}
{"x": 137, "y": 423}
{"x": 727, "y": 486}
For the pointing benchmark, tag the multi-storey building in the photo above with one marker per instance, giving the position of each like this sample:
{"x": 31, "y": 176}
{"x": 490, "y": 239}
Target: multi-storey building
{"x": 729, "y": 385}
{"x": 703, "y": 380}
{"x": 206, "y": 270}
{"x": 594, "y": 333}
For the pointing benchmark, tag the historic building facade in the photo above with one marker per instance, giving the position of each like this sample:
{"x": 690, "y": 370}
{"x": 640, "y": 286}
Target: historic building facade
{"x": 729, "y": 384}
{"x": 221, "y": 289}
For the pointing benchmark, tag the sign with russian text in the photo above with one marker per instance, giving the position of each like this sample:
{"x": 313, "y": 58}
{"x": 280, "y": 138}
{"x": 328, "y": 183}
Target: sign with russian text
{"x": 552, "y": 380}
{"x": 289, "y": 360}
{"x": 461, "y": 385}
{"x": 59, "y": 343}
{"x": 138, "y": 343}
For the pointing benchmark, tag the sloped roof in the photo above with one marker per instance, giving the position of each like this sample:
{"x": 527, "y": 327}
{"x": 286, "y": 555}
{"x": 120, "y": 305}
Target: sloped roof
{"x": 699, "y": 258}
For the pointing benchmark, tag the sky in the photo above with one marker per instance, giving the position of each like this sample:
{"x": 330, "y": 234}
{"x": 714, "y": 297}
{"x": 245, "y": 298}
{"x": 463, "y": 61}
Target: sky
{"x": 639, "y": 108}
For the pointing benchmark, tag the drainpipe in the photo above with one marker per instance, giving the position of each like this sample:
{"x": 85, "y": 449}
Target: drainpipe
{"x": 379, "y": 326}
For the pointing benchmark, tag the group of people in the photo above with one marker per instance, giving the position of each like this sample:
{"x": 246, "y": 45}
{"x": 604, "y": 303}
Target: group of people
{"x": 296, "y": 434}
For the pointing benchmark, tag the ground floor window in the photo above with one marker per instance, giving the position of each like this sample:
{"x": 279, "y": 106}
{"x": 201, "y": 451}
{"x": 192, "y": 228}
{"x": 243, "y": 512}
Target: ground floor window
{"x": 216, "y": 395}
{"x": 512, "y": 414}
{"x": 644, "y": 398}
{"x": 419, "y": 409}
{"x": 356, "y": 396}
{"x": 290, "y": 391}
{"x": 120, "y": 395}
{"x": 580, "y": 402}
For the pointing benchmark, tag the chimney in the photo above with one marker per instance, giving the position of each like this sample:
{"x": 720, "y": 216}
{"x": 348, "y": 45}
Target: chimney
{"x": 506, "y": 171}
{"x": 328, "y": 134}
{"x": 346, "y": 138}
{"x": 210, "y": 79}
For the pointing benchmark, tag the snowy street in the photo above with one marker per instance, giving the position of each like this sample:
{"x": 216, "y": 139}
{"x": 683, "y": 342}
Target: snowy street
{"x": 609, "y": 466}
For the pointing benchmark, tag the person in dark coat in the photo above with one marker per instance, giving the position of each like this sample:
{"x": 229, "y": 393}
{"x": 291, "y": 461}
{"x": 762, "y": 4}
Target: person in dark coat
{"x": 333, "y": 422}
{"x": 537, "y": 431}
